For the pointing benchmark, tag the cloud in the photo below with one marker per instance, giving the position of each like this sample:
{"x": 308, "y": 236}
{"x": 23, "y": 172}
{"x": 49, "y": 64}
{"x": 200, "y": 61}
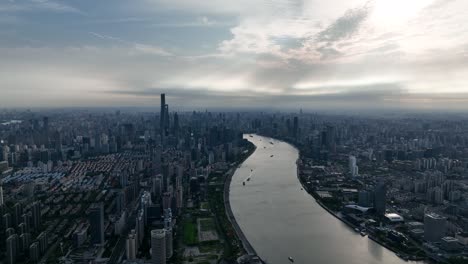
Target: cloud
{"x": 56, "y": 6}
{"x": 328, "y": 54}
{"x": 138, "y": 47}
{"x": 345, "y": 26}
{"x": 38, "y": 5}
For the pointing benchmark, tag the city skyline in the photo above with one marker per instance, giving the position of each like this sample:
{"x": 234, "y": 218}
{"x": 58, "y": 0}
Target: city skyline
{"x": 256, "y": 54}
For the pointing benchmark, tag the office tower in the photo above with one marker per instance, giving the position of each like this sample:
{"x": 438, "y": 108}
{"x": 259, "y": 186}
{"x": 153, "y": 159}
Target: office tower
{"x": 166, "y": 118}
{"x": 158, "y": 246}
{"x": 34, "y": 252}
{"x": 96, "y": 220}
{"x": 162, "y": 113}
{"x": 131, "y": 246}
{"x": 169, "y": 242}
{"x": 353, "y": 168}
{"x": 36, "y": 215}
{"x": 380, "y": 198}
{"x": 434, "y": 227}
{"x": 11, "y": 249}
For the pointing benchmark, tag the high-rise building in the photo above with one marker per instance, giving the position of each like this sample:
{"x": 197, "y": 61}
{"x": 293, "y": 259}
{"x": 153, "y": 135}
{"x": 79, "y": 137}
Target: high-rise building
{"x": 156, "y": 188}
{"x": 120, "y": 202}
{"x": 9, "y": 231}
{"x": 295, "y": 127}
{"x": 434, "y": 227}
{"x": 169, "y": 242}
{"x": 353, "y": 168}
{"x": 21, "y": 228}
{"x": 45, "y": 122}
{"x": 380, "y": 198}
{"x": 36, "y": 215}
{"x": 17, "y": 213}
{"x": 140, "y": 227}
{"x": 158, "y": 246}
{"x": 6, "y": 219}
{"x": 131, "y": 246}
{"x": 34, "y": 253}
{"x": 43, "y": 242}
{"x": 96, "y": 220}
{"x": 11, "y": 249}
{"x": 176, "y": 123}
{"x": 365, "y": 198}
{"x": 25, "y": 240}
{"x": 162, "y": 114}
{"x": 27, "y": 222}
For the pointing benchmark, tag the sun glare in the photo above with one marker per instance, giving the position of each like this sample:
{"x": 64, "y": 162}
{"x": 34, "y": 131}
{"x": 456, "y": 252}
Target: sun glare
{"x": 397, "y": 12}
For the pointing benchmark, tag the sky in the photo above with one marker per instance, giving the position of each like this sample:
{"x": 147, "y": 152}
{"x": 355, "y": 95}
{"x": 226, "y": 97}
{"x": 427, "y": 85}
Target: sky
{"x": 310, "y": 54}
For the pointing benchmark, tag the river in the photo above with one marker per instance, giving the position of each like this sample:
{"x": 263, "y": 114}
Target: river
{"x": 281, "y": 220}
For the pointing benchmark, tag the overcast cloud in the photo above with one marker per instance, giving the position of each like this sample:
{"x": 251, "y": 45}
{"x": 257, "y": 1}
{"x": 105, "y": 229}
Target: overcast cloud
{"x": 244, "y": 53}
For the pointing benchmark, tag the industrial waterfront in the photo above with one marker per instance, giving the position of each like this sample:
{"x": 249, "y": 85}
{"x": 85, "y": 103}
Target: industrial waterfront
{"x": 282, "y": 220}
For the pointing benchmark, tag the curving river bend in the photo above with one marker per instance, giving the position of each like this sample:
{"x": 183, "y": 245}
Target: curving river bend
{"x": 281, "y": 220}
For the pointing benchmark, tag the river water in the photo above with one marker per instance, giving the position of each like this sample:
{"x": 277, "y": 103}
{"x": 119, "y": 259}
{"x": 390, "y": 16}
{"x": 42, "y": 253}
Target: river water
{"x": 281, "y": 220}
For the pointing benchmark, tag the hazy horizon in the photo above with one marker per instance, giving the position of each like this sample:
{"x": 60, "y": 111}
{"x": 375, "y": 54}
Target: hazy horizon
{"x": 283, "y": 54}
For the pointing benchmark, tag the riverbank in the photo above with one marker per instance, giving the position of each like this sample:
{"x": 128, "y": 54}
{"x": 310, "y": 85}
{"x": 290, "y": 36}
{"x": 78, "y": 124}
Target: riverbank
{"x": 227, "y": 183}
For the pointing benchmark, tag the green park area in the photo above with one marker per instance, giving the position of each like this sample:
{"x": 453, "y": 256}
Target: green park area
{"x": 190, "y": 232}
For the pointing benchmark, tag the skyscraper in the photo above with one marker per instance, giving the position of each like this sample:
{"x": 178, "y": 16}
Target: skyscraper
{"x": 295, "y": 127}
{"x": 162, "y": 114}
{"x": 158, "y": 246}
{"x": 380, "y": 198}
{"x": 96, "y": 220}
{"x": 434, "y": 227}
{"x": 176, "y": 123}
